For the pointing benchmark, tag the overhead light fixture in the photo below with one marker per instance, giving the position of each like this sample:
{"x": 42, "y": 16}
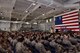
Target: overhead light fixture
{"x": 33, "y": 4}
{"x": 50, "y": 20}
{"x": 27, "y": 23}
{"x": 1, "y": 13}
{"x": 2, "y": 17}
{"x": 43, "y": 14}
{"x": 26, "y": 11}
{"x": 46, "y": 21}
{"x": 35, "y": 23}
{"x": 15, "y": 22}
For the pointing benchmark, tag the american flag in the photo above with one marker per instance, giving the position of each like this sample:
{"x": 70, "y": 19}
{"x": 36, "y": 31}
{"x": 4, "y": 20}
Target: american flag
{"x": 69, "y": 20}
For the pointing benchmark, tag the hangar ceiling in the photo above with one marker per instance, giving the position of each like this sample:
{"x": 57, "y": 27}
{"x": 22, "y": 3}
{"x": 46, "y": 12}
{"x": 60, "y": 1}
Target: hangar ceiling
{"x": 29, "y": 10}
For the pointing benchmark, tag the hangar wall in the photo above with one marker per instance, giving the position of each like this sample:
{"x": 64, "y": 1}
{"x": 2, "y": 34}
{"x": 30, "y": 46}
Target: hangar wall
{"x": 5, "y": 26}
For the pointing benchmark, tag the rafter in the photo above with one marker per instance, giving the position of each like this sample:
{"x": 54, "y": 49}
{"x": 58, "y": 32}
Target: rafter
{"x": 37, "y": 6}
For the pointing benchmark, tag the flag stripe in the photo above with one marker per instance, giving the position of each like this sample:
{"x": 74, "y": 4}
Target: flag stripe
{"x": 76, "y": 30}
{"x": 70, "y": 18}
{"x": 70, "y": 13}
{"x": 68, "y": 25}
{"x": 70, "y": 21}
{"x": 72, "y": 27}
{"x": 71, "y": 24}
{"x": 59, "y": 25}
{"x": 67, "y": 28}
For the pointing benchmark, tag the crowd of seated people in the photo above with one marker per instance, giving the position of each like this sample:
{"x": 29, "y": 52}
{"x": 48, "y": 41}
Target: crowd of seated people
{"x": 39, "y": 42}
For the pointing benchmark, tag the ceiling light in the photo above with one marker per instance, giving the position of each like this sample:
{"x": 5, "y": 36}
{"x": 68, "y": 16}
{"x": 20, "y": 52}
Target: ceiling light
{"x": 2, "y": 17}
{"x": 46, "y": 21}
{"x": 15, "y": 22}
{"x": 50, "y": 20}
{"x": 35, "y": 23}
{"x": 27, "y": 23}
{"x": 1, "y": 13}
{"x": 33, "y": 4}
{"x": 43, "y": 14}
{"x": 26, "y": 11}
